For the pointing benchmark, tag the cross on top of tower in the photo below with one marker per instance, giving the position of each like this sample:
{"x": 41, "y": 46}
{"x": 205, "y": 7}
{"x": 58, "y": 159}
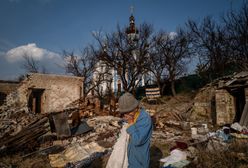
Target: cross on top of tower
{"x": 131, "y": 10}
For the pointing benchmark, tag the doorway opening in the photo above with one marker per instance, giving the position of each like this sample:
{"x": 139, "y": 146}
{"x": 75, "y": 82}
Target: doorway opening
{"x": 35, "y": 102}
{"x": 239, "y": 95}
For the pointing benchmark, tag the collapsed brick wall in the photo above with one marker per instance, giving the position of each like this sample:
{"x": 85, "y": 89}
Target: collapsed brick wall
{"x": 225, "y": 107}
{"x": 203, "y": 107}
{"x": 6, "y": 87}
{"x": 14, "y": 116}
{"x": 214, "y": 105}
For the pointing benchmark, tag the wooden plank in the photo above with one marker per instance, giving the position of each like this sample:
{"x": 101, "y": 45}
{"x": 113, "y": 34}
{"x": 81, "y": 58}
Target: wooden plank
{"x": 244, "y": 117}
{"x": 27, "y": 136}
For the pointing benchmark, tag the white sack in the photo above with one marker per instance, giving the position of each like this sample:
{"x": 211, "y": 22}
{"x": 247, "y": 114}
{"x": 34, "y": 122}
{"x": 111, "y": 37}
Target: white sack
{"x": 118, "y": 158}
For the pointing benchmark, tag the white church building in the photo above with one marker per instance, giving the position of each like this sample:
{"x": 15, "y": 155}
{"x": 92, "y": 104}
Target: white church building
{"x": 112, "y": 80}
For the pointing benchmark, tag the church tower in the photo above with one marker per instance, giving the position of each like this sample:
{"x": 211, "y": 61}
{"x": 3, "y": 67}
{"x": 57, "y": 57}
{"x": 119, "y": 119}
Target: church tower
{"x": 132, "y": 31}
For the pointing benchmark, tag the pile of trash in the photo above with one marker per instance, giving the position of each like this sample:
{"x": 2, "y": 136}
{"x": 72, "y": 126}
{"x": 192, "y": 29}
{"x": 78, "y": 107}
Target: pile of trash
{"x": 199, "y": 142}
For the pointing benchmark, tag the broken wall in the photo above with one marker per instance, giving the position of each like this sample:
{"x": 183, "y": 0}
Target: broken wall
{"x": 56, "y": 92}
{"x": 225, "y": 107}
{"x": 6, "y": 87}
{"x": 204, "y": 104}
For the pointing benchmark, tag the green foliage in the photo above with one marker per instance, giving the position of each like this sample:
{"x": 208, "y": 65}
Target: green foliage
{"x": 189, "y": 83}
{"x": 140, "y": 93}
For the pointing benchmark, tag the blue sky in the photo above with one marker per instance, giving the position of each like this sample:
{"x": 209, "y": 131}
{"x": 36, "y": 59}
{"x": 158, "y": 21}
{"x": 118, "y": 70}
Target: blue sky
{"x": 47, "y": 27}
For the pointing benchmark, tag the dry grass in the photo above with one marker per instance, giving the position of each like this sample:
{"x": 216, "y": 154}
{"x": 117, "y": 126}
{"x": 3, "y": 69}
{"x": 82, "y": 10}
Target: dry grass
{"x": 236, "y": 156}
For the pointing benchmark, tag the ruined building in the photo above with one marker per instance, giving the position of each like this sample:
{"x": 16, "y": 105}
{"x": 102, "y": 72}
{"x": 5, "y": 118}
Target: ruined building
{"x": 224, "y": 101}
{"x": 37, "y": 106}
{"x": 46, "y": 93}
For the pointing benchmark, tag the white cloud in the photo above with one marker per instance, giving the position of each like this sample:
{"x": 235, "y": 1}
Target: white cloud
{"x": 11, "y": 62}
{"x": 16, "y": 54}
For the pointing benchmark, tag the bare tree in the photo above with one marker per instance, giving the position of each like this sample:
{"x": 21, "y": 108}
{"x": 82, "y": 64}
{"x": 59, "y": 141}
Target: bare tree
{"x": 212, "y": 47}
{"x": 29, "y": 64}
{"x": 175, "y": 51}
{"x": 236, "y": 25}
{"x": 157, "y": 65}
{"x": 127, "y": 55}
{"x": 32, "y": 65}
{"x": 102, "y": 80}
{"x": 84, "y": 66}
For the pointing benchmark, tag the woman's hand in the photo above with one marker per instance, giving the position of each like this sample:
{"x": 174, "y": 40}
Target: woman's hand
{"x": 129, "y": 118}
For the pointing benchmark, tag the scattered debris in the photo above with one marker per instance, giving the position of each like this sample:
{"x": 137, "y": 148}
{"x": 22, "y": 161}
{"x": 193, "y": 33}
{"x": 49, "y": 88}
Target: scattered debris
{"x": 75, "y": 154}
{"x": 85, "y": 131}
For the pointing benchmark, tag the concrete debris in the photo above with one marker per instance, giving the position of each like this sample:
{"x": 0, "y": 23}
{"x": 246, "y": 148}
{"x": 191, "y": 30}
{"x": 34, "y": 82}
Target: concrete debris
{"x": 15, "y": 118}
{"x": 105, "y": 129}
{"x": 192, "y": 152}
{"x": 75, "y": 153}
